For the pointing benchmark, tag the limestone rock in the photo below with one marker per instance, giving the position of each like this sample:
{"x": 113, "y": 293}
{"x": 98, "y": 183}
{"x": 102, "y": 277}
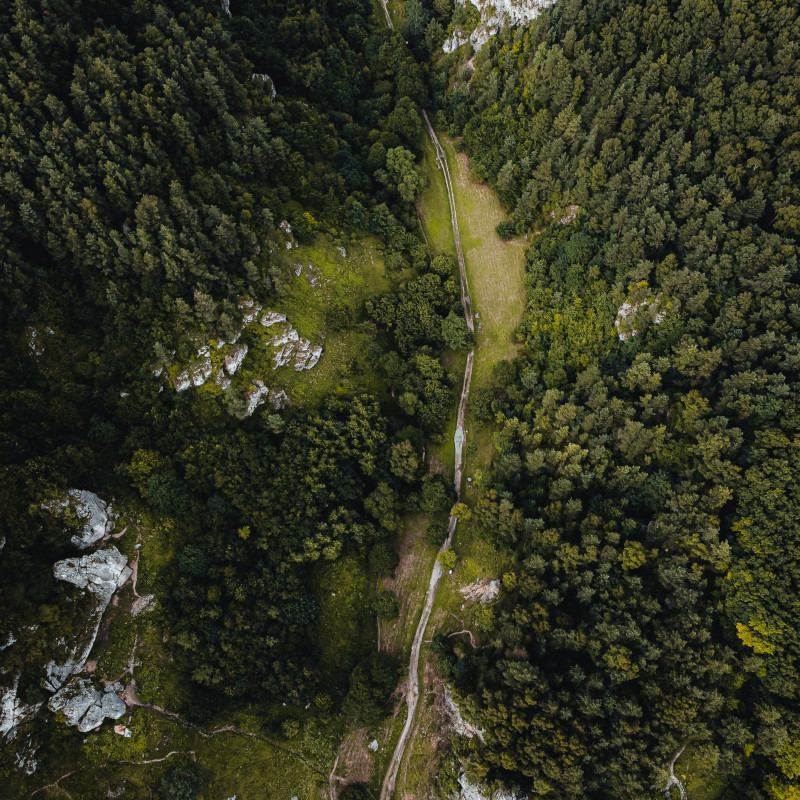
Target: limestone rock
{"x": 91, "y": 508}
{"x": 279, "y": 399}
{"x": 256, "y": 396}
{"x": 112, "y": 705}
{"x": 250, "y": 310}
{"x": 235, "y": 358}
{"x": 83, "y": 706}
{"x": 100, "y": 573}
{"x": 627, "y": 309}
{"x": 269, "y": 85}
{"x": 182, "y": 381}
{"x": 34, "y": 343}
{"x": 221, "y": 379}
{"x": 493, "y": 14}
{"x": 460, "y": 725}
{"x": 473, "y": 791}
{"x": 141, "y": 604}
{"x": 482, "y": 591}
{"x": 13, "y": 710}
{"x": 97, "y": 516}
{"x": 287, "y": 231}
{"x": 271, "y": 317}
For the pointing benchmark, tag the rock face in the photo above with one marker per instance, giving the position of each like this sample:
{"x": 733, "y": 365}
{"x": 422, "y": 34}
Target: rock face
{"x": 473, "y": 791}
{"x": 269, "y": 85}
{"x": 493, "y": 14}
{"x": 290, "y": 345}
{"x": 460, "y": 725}
{"x": 100, "y": 573}
{"x": 235, "y": 357}
{"x": 82, "y": 705}
{"x": 13, "y": 710}
{"x": 97, "y": 516}
{"x": 482, "y": 591}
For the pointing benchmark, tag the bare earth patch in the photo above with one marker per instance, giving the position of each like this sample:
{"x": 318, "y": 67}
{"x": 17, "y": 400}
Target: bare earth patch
{"x": 355, "y": 761}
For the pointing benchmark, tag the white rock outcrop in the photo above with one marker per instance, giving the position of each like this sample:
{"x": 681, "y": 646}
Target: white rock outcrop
{"x": 269, "y": 84}
{"x": 279, "y": 399}
{"x": 235, "y": 357}
{"x": 100, "y": 574}
{"x": 90, "y": 507}
{"x": 34, "y": 343}
{"x": 271, "y": 318}
{"x": 473, "y": 791}
{"x": 460, "y": 725}
{"x": 256, "y": 396}
{"x": 97, "y": 516}
{"x": 13, "y": 710}
{"x": 83, "y": 706}
{"x": 493, "y": 14}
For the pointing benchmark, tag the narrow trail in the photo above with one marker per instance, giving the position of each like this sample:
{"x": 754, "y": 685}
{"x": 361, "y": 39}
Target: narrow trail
{"x": 412, "y": 695}
{"x": 672, "y": 780}
{"x": 386, "y": 11}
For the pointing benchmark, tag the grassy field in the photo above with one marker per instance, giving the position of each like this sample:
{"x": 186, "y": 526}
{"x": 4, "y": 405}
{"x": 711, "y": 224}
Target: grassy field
{"x": 495, "y": 269}
{"x": 433, "y": 206}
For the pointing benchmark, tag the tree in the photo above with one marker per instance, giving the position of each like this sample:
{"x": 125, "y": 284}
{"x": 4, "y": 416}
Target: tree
{"x": 402, "y": 174}
{"x": 455, "y": 332}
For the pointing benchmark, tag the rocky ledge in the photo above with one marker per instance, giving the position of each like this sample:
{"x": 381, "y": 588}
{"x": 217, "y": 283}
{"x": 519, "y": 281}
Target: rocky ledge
{"x": 83, "y": 706}
{"x": 97, "y": 516}
{"x": 493, "y": 14}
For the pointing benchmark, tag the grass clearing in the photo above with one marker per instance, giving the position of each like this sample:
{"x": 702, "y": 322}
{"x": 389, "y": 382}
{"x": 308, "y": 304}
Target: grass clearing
{"x": 495, "y": 269}
{"x": 410, "y": 583}
{"x": 433, "y": 206}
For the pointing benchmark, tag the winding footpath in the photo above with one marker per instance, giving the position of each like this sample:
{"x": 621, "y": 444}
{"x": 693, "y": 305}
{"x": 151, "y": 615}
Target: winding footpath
{"x": 412, "y": 693}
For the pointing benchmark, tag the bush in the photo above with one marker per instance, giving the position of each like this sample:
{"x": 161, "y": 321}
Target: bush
{"x": 371, "y": 684}
{"x": 505, "y": 229}
{"x": 355, "y": 791}
{"x": 436, "y": 533}
{"x": 181, "y": 783}
{"x": 385, "y": 605}
{"x": 383, "y": 560}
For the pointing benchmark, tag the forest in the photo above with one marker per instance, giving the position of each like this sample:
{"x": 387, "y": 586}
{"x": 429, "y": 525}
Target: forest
{"x": 161, "y": 160}
{"x": 148, "y": 161}
{"x": 645, "y": 438}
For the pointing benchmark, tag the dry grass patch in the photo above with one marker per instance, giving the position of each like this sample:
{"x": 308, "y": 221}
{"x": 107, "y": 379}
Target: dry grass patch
{"x": 410, "y": 583}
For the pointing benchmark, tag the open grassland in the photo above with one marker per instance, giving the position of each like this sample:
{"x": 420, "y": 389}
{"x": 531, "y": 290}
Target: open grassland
{"x": 495, "y": 269}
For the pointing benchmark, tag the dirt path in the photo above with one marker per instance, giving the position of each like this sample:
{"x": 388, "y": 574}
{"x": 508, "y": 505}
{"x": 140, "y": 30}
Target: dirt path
{"x": 412, "y": 695}
{"x": 672, "y": 780}
{"x": 386, "y": 11}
